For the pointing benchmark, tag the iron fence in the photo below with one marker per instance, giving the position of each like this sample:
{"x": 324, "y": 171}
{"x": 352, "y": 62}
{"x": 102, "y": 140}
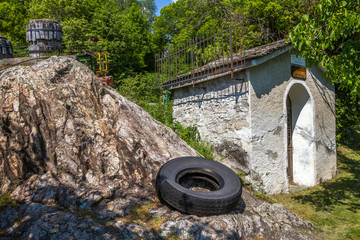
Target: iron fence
{"x": 206, "y": 56}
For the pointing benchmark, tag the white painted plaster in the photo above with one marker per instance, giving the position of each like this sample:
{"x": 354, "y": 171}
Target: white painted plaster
{"x": 248, "y": 78}
{"x": 303, "y": 133}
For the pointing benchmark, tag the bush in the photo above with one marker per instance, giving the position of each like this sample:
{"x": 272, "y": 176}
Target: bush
{"x": 159, "y": 111}
{"x": 140, "y": 88}
{"x": 192, "y": 137}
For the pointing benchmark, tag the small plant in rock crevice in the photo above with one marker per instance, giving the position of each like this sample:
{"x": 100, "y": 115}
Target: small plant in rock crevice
{"x": 140, "y": 215}
{"x": 192, "y": 137}
{"x": 7, "y": 202}
{"x": 242, "y": 175}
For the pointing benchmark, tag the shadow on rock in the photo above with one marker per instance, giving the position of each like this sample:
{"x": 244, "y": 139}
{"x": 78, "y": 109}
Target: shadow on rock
{"x": 51, "y": 210}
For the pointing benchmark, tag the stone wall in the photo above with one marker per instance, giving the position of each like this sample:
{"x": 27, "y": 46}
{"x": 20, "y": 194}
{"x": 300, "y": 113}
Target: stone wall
{"x": 220, "y": 110}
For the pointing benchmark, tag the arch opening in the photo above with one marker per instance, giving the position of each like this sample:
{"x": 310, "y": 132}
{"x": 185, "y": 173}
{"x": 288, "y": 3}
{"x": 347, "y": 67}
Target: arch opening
{"x": 300, "y": 136}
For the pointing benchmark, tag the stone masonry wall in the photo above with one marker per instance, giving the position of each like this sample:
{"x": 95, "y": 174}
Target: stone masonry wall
{"x": 246, "y": 120}
{"x": 220, "y": 110}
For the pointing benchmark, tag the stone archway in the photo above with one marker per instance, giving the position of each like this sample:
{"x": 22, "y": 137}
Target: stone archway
{"x": 300, "y": 135}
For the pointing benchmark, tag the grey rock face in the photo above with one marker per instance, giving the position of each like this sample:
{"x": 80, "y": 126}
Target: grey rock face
{"x": 79, "y": 158}
{"x": 66, "y": 226}
{"x": 57, "y": 117}
{"x": 253, "y": 219}
{"x": 8, "y": 217}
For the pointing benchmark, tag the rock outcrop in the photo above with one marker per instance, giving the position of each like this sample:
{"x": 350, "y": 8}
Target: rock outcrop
{"x": 57, "y": 117}
{"x": 80, "y": 159}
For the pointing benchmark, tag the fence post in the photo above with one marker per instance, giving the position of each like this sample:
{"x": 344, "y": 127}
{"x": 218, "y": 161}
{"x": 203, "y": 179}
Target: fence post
{"x": 192, "y": 64}
{"x": 231, "y": 54}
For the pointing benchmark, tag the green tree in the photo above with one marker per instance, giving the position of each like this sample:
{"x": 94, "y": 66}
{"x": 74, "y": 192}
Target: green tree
{"x": 264, "y": 21}
{"x": 13, "y": 19}
{"x": 148, "y": 7}
{"x": 136, "y": 34}
{"x": 331, "y": 37}
{"x": 61, "y": 10}
{"x": 122, "y": 27}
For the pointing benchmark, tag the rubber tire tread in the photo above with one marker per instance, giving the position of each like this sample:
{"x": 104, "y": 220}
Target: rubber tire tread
{"x": 176, "y": 196}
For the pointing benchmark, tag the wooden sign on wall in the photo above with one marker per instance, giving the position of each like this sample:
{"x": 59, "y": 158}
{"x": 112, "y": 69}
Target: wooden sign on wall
{"x": 298, "y": 72}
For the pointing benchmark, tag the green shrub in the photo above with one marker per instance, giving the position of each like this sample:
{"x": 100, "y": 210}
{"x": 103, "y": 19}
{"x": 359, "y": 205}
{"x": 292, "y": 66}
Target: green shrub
{"x": 159, "y": 111}
{"x": 139, "y": 88}
{"x": 192, "y": 137}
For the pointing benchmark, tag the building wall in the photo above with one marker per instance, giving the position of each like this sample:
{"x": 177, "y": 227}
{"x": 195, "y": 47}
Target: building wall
{"x": 220, "y": 110}
{"x": 325, "y": 125}
{"x": 314, "y": 136}
{"x": 268, "y": 118}
{"x": 246, "y": 120}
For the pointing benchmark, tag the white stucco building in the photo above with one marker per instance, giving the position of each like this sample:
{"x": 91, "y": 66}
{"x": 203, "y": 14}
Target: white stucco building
{"x": 274, "y": 119}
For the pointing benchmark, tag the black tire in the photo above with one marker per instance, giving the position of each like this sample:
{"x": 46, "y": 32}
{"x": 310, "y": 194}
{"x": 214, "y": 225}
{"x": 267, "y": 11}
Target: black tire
{"x": 224, "y": 198}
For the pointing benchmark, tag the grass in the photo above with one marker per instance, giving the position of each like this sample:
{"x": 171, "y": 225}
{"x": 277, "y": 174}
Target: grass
{"x": 334, "y": 206}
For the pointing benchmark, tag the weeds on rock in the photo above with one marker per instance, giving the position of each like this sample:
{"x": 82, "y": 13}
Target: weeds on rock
{"x": 7, "y": 202}
{"x": 140, "y": 215}
{"x": 192, "y": 137}
{"x": 242, "y": 175}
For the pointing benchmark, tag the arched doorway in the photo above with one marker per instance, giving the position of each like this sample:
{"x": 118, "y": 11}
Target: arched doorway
{"x": 300, "y": 136}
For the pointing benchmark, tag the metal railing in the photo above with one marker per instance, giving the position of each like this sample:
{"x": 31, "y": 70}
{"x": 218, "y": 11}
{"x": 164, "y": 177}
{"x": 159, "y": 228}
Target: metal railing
{"x": 206, "y": 56}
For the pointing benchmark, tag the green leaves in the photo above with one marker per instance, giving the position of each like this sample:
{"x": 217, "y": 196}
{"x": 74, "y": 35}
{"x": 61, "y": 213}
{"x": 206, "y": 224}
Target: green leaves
{"x": 123, "y": 27}
{"x": 305, "y": 17}
{"x": 264, "y": 21}
{"x": 334, "y": 33}
{"x": 13, "y": 19}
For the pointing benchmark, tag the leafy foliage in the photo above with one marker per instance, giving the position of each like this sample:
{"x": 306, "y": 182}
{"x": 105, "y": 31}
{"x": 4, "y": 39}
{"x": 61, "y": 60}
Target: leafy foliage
{"x": 142, "y": 89}
{"x": 192, "y": 137}
{"x": 331, "y": 37}
{"x": 347, "y": 114}
{"x": 123, "y": 27}
{"x": 263, "y": 20}
{"x": 13, "y": 19}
